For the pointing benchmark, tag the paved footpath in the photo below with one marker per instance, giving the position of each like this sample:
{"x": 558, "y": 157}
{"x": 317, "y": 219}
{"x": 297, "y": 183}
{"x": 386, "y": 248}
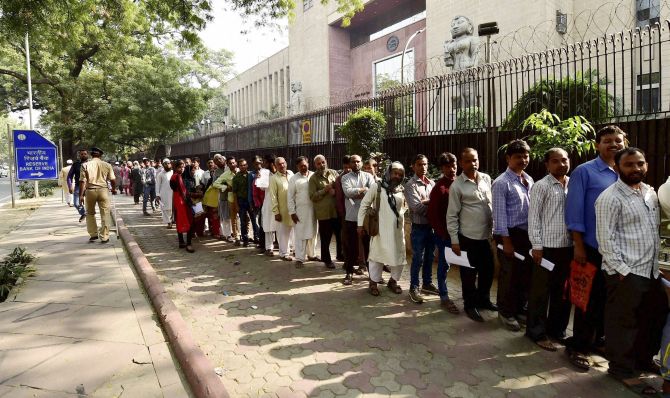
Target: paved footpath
{"x": 81, "y": 326}
{"x": 278, "y": 331}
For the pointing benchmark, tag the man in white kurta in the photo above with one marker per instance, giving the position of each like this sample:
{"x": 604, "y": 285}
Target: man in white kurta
{"x": 279, "y": 197}
{"x": 267, "y": 217}
{"x": 388, "y": 247}
{"x": 164, "y": 192}
{"x": 301, "y": 209}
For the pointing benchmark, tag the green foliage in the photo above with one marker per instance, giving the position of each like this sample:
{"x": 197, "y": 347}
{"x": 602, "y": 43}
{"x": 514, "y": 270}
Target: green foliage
{"x": 274, "y": 113}
{"x": 574, "y": 134}
{"x": 27, "y": 189}
{"x": 470, "y": 119}
{"x": 582, "y": 95}
{"x": 364, "y": 131}
{"x": 13, "y": 267}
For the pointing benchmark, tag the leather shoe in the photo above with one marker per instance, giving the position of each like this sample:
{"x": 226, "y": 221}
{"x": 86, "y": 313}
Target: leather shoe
{"x": 488, "y": 306}
{"x": 473, "y": 313}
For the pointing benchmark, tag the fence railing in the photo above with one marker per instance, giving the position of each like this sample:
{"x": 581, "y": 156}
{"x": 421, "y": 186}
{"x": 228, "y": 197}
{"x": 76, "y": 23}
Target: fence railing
{"x": 614, "y": 78}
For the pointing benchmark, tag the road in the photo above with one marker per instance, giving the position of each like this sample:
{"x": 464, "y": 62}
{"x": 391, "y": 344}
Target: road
{"x": 4, "y": 190}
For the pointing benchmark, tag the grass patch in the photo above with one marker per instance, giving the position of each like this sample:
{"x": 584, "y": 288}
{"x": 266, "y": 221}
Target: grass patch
{"x": 13, "y": 267}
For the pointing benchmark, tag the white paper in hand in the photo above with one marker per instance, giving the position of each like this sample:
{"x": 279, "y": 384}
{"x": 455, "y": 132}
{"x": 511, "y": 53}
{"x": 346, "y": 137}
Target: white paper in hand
{"x": 517, "y": 255}
{"x": 544, "y": 263}
{"x": 453, "y": 259}
{"x": 264, "y": 180}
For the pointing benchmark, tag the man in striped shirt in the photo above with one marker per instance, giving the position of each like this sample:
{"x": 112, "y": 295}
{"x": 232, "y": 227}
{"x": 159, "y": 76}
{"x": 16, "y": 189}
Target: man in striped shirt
{"x": 551, "y": 241}
{"x": 511, "y": 195}
{"x": 627, "y": 221}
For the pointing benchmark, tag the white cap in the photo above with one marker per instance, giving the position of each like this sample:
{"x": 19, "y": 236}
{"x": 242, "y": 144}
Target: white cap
{"x": 166, "y": 160}
{"x": 69, "y": 161}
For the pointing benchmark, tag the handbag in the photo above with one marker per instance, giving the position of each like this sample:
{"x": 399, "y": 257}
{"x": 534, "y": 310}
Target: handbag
{"x": 579, "y": 284}
{"x": 371, "y": 220}
{"x": 211, "y": 198}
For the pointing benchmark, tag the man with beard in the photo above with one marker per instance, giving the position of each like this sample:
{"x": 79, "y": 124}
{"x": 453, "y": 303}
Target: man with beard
{"x": 587, "y": 182}
{"x": 164, "y": 192}
{"x": 354, "y": 186}
{"x": 551, "y": 241}
{"x": 301, "y": 209}
{"x": 73, "y": 183}
{"x": 388, "y": 246}
{"x": 627, "y": 221}
{"x": 322, "y": 194}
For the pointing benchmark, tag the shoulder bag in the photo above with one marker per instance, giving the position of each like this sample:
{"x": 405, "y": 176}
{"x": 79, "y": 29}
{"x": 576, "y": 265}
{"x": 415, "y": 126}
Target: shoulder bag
{"x": 371, "y": 220}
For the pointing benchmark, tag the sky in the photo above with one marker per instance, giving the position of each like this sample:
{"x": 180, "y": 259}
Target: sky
{"x": 249, "y": 48}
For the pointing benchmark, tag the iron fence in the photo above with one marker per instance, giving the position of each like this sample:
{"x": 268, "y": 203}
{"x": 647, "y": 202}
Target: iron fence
{"x": 615, "y": 78}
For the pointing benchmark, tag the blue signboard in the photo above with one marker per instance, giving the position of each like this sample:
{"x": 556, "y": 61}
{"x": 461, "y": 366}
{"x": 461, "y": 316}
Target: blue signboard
{"x": 36, "y": 157}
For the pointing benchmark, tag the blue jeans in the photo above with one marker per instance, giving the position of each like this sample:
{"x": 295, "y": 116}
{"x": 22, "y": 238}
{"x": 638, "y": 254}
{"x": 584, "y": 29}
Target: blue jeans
{"x": 77, "y": 203}
{"x": 423, "y": 247}
{"x": 149, "y": 194}
{"x": 442, "y": 266}
{"x": 246, "y": 213}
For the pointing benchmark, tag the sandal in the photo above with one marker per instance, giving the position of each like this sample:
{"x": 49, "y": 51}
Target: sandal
{"x": 640, "y": 387}
{"x": 374, "y": 290}
{"x": 450, "y": 306}
{"x": 546, "y": 344}
{"x": 393, "y": 286}
{"x": 579, "y": 360}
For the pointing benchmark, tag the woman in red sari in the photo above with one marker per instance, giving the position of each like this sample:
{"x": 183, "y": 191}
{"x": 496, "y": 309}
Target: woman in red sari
{"x": 181, "y": 207}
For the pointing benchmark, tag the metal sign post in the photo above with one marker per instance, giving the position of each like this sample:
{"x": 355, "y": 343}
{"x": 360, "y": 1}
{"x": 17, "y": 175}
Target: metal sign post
{"x": 64, "y": 182}
{"x": 11, "y": 163}
{"x": 30, "y": 102}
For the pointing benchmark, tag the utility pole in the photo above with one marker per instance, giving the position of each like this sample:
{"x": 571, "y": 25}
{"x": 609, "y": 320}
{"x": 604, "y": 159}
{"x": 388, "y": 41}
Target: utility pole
{"x": 12, "y": 162}
{"x": 30, "y": 102}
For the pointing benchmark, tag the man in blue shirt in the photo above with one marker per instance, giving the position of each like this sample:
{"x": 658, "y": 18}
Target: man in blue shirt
{"x": 511, "y": 197}
{"x": 587, "y": 182}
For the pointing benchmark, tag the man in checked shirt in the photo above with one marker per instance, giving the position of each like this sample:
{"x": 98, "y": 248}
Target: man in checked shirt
{"x": 511, "y": 195}
{"x": 551, "y": 241}
{"x": 627, "y": 221}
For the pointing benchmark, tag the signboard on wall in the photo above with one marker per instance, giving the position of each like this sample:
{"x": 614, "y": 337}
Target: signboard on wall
{"x": 306, "y": 128}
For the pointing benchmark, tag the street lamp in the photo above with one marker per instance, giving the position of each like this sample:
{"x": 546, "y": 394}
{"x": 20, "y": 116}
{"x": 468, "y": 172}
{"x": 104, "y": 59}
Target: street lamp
{"x": 402, "y": 58}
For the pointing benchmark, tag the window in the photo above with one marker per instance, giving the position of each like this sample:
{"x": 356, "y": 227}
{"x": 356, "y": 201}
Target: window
{"x": 648, "y": 94}
{"x": 307, "y": 4}
{"x": 648, "y": 12}
{"x": 387, "y": 71}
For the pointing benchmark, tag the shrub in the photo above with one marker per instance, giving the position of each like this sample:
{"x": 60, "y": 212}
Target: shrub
{"x": 470, "y": 119}
{"x": 583, "y": 95}
{"x": 574, "y": 134}
{"x": 13, "y": 267}
{"x": 27, "y": 189}
{"x": 364, "y": 131}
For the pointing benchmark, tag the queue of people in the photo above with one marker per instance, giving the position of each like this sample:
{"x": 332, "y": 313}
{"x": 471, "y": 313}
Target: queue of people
{"x": 601, "y": 218}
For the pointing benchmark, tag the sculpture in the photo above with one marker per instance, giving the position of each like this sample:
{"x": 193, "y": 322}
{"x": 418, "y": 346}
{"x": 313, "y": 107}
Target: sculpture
{"x": 462, "y": 52}
{"x": 297, "y": 103}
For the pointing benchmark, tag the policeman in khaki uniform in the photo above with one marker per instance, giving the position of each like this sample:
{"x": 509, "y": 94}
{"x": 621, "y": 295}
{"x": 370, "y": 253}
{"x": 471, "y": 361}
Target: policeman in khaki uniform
{"x": 94, "y": 176}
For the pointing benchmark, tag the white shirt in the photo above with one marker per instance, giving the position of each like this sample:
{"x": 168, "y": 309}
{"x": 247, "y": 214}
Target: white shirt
{"x": 627, "y": 223}
{"x": 546, "y": 214}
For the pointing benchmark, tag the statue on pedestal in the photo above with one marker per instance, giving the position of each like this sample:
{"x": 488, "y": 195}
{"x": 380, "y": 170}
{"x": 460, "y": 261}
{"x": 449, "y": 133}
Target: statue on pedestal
{"x": 297, "y": 103}
{"x": 462, "y": 52}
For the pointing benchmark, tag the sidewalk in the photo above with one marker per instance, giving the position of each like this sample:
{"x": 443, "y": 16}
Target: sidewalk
{"x": 278, "y": 331}
{"x": 82, "y": 324}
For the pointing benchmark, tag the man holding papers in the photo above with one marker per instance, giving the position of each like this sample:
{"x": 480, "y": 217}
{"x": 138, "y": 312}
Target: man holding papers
{"x": 511, "y": 195}
{"x": 552, "y": 243}
{"x": 469, "y": 223}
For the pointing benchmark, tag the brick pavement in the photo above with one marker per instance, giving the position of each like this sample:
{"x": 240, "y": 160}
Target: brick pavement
{"x": 278, "y": 331}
